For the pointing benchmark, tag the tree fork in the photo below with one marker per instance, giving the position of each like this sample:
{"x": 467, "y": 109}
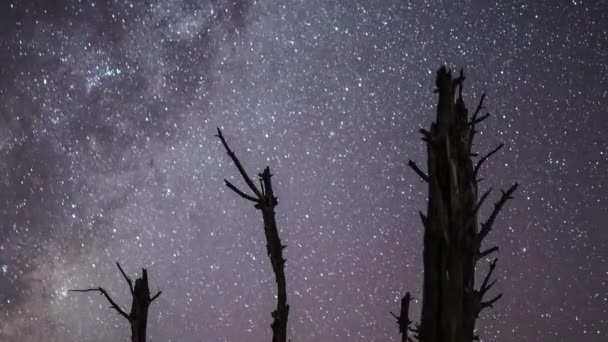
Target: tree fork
{"x": 138, "y": 317}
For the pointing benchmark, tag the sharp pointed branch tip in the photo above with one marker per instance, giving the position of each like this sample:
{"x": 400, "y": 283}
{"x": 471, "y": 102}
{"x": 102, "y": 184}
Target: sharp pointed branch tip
{"x": 487, "y": 226}
{"x": 128, "y": 280}
{"x": 484, "y": 158}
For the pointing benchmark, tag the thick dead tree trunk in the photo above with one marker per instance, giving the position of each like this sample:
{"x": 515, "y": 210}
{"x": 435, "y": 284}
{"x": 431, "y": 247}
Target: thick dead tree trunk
{"x": 265, "y": 201}
{"x": 138, "y": 317}
{"x": 452, "y": 234}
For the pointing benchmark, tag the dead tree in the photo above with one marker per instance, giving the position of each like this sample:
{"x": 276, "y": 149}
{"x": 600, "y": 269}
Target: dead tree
{"x": 453, "y": 235}
{"x": 138, "y": 317}
{"x": 265, "y": 201}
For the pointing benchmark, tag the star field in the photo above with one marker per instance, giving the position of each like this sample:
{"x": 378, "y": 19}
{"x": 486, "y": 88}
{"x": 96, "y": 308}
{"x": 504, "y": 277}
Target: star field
{"x": 108, "y": 112}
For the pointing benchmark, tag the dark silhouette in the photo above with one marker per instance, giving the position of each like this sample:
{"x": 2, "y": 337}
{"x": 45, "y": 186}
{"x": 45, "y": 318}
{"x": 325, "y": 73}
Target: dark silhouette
{"x": 138, "y": 317}
{"x": 265, "y": 201}
{"x": 403, "y": 320}
{"x": 452, "y": 240}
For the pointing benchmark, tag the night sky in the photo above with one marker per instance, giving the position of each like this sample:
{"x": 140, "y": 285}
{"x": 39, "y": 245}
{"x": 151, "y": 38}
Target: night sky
{"x": 108, "y": 112}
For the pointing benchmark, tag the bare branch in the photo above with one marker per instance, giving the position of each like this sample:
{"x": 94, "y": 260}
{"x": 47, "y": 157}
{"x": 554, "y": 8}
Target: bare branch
{"x": 473, "y": 121}
{"x": 479, "y": 108}
{"x": 424, "y": 219}
{"x": 112, "y": 302}
{"x": 487, "y": 226}
{"x": 490, "y": 303}
{"x": 426, "y": 135}
{"x": 481, "y": 200}
{"x": 416, "y": 330}
{"x": 484, "y": 285}
{"x": 473, "y": 216}
{"x": 396, "y": 317}
{"x": 487, "y": 252}
{"x": 491, "y": 284}
{"x": 240, "y": 193}
{"x": 129, "y": 281}
{"x": 238, "y": 164}
{"x": 484, "y": 158}
{"x": 266, "y": 201}
{"x": 416, "y": 169}
{"x": 155, "y": 296}
{"x": 480, "y": 119}
{"x": 87, "y": 290}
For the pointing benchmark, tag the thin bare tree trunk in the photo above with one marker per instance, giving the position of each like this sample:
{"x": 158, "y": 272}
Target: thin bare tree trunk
{"x": 265, "y": 201}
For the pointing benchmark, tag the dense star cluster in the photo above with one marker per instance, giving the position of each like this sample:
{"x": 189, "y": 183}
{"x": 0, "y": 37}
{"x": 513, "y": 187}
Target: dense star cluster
{"x": 108, "y": 111}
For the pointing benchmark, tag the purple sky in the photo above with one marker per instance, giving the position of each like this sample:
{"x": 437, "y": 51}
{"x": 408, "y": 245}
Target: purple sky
{"x": 108, "y": 112}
